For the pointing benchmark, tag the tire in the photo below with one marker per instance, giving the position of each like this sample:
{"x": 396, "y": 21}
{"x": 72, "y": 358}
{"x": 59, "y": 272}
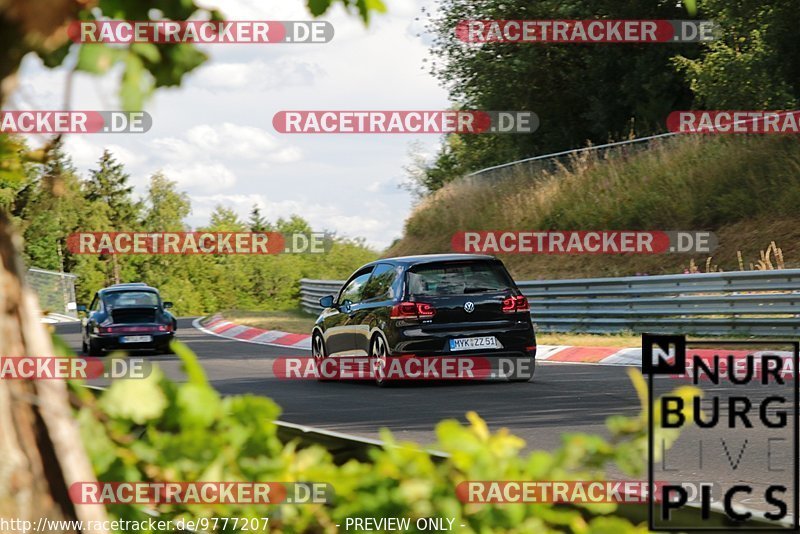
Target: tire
{"x": 378, "y": 355}
{"x": 528, "y": 378}
{"x": 319, "y": 353}
{"x": 94, "y": 349}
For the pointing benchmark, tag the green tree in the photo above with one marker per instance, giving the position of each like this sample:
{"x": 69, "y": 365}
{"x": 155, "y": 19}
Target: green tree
{"x": 754, "y": 63}
{"x": 165, "y": 206}
{"x": 110, "y": 207}
{"x": 294, "y": 224}
{"x": 13, "y": 172}
{"x": 225, "y": 220}
{"x": 177, "y": 277}
{"x": 581, "y": 92}
{"x": 52, "y": 213}
{"x": 258, "y": 223}
{"x": 108, "y": 185}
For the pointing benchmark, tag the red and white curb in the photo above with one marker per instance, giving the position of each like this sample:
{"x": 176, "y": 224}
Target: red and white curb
{"x": 217, "y": 325}
{"x": 591, "y": 355}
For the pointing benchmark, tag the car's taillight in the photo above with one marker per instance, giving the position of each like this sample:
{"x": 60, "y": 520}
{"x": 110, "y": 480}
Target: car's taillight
{"x": 412, "y": 310}
{"x": 516, "y": 304}
{"x": 425, "y": 310}
{"x": 106, "y": 329}
{"x": 164, "y": 328}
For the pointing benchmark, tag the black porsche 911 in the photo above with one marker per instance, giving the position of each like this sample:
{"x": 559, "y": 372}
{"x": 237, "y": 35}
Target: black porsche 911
{"x": 452, "y": 305}
{"x": 127, "y": 317}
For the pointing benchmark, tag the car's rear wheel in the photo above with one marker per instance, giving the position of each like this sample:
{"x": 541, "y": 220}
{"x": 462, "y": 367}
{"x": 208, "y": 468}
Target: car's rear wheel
{"x": 527, "y": 375}
{"x": 379, "y": 359}
{"x": 319, "y": 353}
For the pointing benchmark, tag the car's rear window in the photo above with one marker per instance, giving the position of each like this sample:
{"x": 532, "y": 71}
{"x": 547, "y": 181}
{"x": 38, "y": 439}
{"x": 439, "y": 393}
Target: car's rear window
{"x": 457, "y": 278}
{"x": 120, "y": 299}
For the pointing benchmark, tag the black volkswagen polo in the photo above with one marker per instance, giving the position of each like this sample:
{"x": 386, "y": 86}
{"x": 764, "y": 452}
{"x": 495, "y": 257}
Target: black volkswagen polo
{"x": 430, "y": 305}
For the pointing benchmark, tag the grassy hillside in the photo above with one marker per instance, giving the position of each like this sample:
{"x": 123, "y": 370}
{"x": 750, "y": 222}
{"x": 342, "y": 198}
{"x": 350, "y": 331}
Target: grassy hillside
{"x": 745, "y": 189}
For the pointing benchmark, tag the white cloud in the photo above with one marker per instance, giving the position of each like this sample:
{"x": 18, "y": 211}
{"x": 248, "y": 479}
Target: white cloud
{"x": 286, "y": 155}
{"x": 85, "y": 152}
{"x": 213, "y": 133}
{"x": 202, "y": 177}
{"x": 372, "y": 225}
{"x": 232, "y": 140}
{"x": 256, "y": 75}
{"x": 225, "y": 141}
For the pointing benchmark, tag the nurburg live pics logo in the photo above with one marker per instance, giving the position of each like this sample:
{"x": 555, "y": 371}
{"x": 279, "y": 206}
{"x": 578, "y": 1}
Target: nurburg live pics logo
{"x": 741, "y": 434}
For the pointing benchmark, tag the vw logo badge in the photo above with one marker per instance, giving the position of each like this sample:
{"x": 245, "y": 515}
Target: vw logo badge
{"x": 469, "y": 307}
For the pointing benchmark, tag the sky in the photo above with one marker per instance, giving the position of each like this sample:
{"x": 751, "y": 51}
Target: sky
{"x": 213, "y": 135}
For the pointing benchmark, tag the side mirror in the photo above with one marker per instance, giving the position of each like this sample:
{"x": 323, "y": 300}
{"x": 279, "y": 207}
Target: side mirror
{"x": 167, "y": 305}
{"x": 81, "y": 308}
{"x": 326, "y": 301}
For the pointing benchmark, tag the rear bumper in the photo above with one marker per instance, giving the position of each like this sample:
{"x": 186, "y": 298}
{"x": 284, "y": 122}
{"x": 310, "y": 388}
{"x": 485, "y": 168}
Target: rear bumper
{"x": 113, "y": 341}
{"x": 517, "y": 339}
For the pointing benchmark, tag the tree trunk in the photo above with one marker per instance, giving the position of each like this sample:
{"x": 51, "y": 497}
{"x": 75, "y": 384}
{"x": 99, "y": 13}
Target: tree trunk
{"x": 41, "y": 452}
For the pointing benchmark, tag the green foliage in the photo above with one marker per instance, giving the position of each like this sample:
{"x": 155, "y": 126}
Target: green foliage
{"x": 745, "y": 189}
{"x": 596, "y": 93}
{"x": 57, "y": 203}
{"x": 50, "y": 211}
{"x": 363, "y": 7}
{"x": 580, "y": 92}
{"x": 159, "y": 431}
{"x": 754, "y": 65}
{"x": 13, "y": 175}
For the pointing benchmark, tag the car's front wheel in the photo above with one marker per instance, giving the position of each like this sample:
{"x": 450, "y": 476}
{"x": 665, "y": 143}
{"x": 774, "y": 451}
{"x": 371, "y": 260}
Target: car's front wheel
{"x": 319, "y": 354}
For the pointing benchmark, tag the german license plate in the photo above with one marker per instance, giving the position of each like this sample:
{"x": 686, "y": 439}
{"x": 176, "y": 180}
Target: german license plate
{"x": 136, "y": 339}
{"x": 473, "y": 343}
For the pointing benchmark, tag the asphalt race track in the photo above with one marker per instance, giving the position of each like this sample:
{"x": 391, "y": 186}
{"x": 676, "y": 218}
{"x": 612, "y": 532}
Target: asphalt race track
{"x": 562, "y": 398}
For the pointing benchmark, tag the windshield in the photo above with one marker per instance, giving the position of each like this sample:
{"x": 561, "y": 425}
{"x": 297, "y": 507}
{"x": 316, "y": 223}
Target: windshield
{"x": 460, "y": 278}
{"x": 120, "y": 299}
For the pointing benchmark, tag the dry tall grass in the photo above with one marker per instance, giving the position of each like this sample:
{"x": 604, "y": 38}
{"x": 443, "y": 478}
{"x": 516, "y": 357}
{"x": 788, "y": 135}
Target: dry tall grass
{"x": 746, "y": 189}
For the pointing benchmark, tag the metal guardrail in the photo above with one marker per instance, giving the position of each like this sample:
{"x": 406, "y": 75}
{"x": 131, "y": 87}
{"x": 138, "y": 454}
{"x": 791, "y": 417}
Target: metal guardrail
{"x": 760, "y": 303}
{"x": 548, "y": 161}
